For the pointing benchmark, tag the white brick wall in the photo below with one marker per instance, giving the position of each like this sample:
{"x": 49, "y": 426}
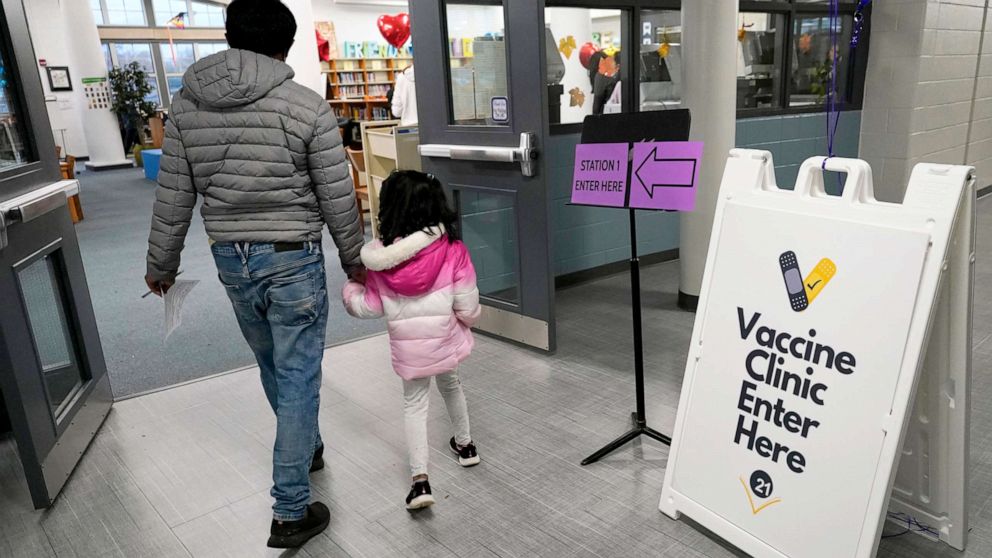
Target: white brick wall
{"x": 928, "y": 89}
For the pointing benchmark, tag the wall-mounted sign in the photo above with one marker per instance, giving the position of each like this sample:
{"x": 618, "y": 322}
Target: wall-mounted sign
{"x": 97, "y": 92}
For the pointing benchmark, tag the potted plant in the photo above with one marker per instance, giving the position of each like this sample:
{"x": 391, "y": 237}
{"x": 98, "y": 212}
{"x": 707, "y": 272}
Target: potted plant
{"x": 130, "y": 87}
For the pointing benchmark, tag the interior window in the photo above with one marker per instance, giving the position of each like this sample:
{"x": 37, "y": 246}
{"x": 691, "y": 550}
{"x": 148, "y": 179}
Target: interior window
{"x": 477, "y": 60}
{"x": 759, "y": 60}
{"x": 583, "y": 62}
{"x": 659, "y": 60}
{"x": 14, "y": 148}
{"x": 812, "y": 54}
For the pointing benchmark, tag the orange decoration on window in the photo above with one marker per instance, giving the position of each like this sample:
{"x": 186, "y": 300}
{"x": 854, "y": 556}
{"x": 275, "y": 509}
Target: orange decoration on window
{"x": 608, "y": 66}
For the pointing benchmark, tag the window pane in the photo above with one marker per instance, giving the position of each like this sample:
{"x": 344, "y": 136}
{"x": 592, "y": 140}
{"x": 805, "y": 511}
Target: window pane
{"x": 106, "y": 56}
{"x": 50, "y": 331}
{"x": 135, "y": 52}
{"x": 184, "y": 57}
{"x": 207, "y": 15}
{"x": 660, "y": 62}
{"x": 477, "y": 53}
{"x": 13, "y": 137}
{"x": 759, "y": 60}
{"x": 141, "y": 53}
{"x": 813, "y": 55}
{"x": 576, "y": 88}
{"x": 175, "y": 84}
{"x": 125, "y": 12}
{"x": 168, "y": 9}
{"x": 97, "y": 11}
{"x": 489, "y": 229}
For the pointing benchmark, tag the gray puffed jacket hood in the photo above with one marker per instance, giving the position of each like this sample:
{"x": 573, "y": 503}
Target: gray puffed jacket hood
{"x": 262, "y": 151}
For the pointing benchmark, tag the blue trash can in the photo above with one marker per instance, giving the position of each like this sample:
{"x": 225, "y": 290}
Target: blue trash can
{"x": 151, "y": 159}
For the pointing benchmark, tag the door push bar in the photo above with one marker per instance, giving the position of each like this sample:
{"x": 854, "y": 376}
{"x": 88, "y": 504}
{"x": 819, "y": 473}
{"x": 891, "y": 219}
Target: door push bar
{"x": 29, "y": 210}
{"x": 526, "y": 154}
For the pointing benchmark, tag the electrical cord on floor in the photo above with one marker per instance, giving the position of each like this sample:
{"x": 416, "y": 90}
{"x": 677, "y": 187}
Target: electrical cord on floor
{"x": 912, "y": 526}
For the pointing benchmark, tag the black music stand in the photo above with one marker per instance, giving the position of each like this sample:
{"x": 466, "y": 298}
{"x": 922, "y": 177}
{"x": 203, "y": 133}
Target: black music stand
{"x": 667, "y": 125}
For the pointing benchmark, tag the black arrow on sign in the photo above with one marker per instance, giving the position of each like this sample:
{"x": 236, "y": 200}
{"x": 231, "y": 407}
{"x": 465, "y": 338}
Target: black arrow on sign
{"x": 650, "y": 167}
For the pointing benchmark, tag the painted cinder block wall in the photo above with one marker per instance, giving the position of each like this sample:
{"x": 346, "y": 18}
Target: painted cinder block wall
{"x": 928, "y": 90}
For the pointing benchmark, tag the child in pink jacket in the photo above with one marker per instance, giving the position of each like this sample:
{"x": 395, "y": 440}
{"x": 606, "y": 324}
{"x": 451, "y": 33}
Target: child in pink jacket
{"x": 420, "y": 277}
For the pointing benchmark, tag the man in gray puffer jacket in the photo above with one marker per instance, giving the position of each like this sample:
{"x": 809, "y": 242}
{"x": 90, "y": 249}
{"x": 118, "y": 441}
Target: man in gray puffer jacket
{"x": 265, "y": 154}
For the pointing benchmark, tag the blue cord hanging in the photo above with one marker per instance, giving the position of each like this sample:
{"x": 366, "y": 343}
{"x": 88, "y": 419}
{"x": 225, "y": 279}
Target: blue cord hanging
{"x": 833, "y": 113}
{"x": 833, "y": 105}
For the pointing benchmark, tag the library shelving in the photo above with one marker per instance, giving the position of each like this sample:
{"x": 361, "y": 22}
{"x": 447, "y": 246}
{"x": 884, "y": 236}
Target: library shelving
{"x": 357, "y": 87}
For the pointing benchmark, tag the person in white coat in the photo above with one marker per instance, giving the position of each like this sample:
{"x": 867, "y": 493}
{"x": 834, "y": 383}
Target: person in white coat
{"x": 405, "y": 98}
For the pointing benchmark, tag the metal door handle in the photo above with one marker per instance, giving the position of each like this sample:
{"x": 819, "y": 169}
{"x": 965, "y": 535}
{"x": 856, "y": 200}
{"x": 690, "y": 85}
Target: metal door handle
{"x": 32, "y": 209}
{"x": 526, "y": 154}
{"x": 29, "y": 210}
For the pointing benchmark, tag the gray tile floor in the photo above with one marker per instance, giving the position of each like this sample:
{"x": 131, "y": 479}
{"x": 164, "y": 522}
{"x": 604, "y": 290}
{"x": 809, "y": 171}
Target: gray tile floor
{"x": 185, "y": 472}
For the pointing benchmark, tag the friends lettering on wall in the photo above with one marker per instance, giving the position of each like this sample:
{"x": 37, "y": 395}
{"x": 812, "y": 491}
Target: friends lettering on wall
{"x": 372, "y": 49}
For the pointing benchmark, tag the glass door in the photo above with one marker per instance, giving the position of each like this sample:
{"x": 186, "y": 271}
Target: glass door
{"x": 53, "y": 380}
{"x": 482, "y": 89}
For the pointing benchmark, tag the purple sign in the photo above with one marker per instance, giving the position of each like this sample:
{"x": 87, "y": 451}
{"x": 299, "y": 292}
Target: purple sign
{"x": 663, "y": 175}
{"x": 600, "y": 176}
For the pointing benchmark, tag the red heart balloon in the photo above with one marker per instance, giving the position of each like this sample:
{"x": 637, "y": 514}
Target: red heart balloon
{"x": 395, "y": 29}
{"x": 586, "y": 52}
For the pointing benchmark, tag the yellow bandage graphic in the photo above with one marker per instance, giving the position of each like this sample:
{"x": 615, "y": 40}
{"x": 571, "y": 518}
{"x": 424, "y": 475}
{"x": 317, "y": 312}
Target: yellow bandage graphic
{"x": 819, "y": 277}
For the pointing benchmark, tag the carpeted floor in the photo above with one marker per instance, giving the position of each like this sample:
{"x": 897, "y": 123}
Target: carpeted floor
{"x": 113, "y": 240}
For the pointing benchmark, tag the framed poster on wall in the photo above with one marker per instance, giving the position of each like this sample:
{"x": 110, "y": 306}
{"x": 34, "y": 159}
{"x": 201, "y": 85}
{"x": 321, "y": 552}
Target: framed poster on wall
{"x": 58, "y": 78}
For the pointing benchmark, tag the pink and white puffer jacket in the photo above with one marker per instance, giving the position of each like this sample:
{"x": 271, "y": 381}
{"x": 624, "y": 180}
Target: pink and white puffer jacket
{"x": 425, "y": 287}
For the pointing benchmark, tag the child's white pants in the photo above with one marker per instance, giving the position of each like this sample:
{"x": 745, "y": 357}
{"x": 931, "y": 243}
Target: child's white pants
{"x": 416, "y": 394}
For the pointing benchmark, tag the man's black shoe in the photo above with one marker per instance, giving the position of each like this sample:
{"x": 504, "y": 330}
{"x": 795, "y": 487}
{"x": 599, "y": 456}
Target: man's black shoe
{"x": 317, "y": 463}
{"x": 294, "y": 534}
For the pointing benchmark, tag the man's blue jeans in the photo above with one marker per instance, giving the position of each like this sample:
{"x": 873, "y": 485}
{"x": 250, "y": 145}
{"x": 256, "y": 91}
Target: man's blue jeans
{"x": 280, "y": 299}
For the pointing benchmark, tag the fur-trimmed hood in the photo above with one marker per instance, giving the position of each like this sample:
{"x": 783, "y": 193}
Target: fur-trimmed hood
{"x": 411, "y": 265}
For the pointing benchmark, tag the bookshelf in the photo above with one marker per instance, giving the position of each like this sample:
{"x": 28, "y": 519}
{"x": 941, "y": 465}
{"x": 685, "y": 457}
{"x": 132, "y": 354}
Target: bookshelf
{"x": 356, "y": 87}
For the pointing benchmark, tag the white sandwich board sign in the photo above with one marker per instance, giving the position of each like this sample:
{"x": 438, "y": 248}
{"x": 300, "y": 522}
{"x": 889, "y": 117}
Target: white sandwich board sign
{"x": 812, "y": 326}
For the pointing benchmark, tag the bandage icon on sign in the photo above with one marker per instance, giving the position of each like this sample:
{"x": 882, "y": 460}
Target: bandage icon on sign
{"x": 818, "y": 278}
{"x": 803, "y": 292}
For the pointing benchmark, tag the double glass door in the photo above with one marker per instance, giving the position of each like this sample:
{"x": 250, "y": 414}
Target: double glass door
{"x": 53, "y": 379}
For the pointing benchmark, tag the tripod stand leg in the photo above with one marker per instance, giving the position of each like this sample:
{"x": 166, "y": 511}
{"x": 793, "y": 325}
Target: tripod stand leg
{"x": 652, "y": 433}
{"x": 612, "y": 446}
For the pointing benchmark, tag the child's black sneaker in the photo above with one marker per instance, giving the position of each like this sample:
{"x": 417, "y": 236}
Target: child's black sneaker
{"x": 317, "y": 462}
{"x": 420, "y": 496}
{"x": 294, "y": 534}
{"x": 467, "y": 456}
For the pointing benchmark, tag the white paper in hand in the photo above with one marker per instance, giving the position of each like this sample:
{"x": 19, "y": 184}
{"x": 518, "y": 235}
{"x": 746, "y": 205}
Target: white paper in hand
{"x": 174, "y": 300}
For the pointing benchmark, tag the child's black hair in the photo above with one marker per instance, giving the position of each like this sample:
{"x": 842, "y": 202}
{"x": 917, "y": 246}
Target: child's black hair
{"x": 412, "y": 201}
{"x": 263, "y": 26}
